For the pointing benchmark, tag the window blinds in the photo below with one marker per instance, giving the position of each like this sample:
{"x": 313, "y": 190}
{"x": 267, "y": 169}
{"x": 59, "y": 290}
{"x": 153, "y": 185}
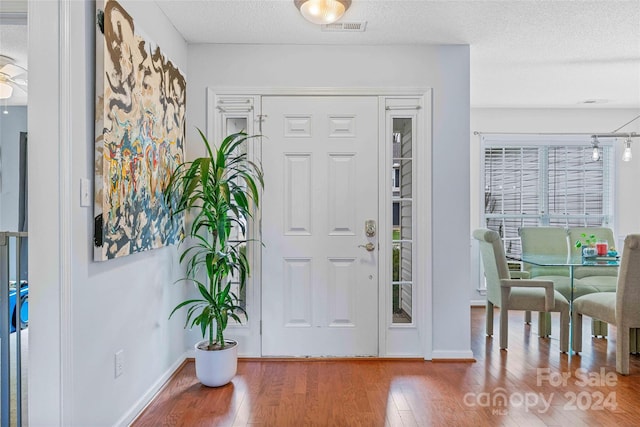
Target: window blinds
{"x": 549, "y": 183}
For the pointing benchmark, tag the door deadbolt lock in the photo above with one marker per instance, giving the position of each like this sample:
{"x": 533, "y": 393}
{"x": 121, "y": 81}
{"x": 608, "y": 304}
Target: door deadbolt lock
{"x": 370, "y": 228}
{"x": 370, "y": 247}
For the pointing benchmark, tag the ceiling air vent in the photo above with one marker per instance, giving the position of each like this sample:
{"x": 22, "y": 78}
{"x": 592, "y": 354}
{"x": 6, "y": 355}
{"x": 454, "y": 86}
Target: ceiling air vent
{"x": 345, "y": 27}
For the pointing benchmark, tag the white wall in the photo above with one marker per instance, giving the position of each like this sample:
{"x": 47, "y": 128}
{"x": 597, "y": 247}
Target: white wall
{"x": 561, "y": 120}
{"x": 82, "y": 312}
{"x": 11, "y": 125}
{"x": 443, "y": 68}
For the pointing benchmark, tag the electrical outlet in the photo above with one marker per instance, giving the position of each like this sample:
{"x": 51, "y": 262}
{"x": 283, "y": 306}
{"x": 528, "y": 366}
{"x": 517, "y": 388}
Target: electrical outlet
{"x": 119, "y": 363}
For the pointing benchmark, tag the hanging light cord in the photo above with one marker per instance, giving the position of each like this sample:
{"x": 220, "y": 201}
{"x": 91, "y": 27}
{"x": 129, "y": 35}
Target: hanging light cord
{"x": 630, "y": 121}
{"x": 613, "y": 134}
{"x": 626, "y": 156}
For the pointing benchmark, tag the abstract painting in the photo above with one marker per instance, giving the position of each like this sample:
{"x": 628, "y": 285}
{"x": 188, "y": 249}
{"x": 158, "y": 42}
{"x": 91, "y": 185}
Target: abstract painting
{"x": 140, "y": 130}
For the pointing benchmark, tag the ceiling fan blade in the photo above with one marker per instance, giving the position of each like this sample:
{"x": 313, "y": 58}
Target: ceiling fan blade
{"x": 22, "y": 77}
{"x": 12, "y": 70}
{"x": 4, "y": 60}
{"x": 20, "y": 86}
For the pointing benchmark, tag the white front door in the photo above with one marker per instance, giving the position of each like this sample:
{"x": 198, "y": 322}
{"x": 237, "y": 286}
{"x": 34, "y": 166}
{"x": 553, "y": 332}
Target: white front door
{"x": 319, "y": 281}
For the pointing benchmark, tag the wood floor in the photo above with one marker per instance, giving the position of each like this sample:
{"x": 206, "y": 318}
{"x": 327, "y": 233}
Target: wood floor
{"x": 530, "y": 384}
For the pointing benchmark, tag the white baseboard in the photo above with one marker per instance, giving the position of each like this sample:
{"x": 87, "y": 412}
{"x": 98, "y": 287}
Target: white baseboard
{"x": 443, "y": 355}
{"x": 148, "y": 396}
{"x": 478, "y": 302}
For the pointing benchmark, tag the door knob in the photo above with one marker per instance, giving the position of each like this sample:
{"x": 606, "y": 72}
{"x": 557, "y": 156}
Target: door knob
{"x": 370, "y": 247}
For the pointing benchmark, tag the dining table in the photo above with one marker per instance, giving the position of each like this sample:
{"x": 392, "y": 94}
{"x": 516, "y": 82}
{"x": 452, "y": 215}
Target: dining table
{"x": 571, "y": 262}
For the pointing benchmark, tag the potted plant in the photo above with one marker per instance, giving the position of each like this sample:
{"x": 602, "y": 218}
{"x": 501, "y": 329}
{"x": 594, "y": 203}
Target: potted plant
{"x": 588, "y": 246}
{"x": 219, "y": 192}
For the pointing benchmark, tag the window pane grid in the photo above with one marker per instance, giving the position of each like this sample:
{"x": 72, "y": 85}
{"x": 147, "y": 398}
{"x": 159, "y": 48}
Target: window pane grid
{"x": 547, "y": 184}
{"x": 403, "y": 215}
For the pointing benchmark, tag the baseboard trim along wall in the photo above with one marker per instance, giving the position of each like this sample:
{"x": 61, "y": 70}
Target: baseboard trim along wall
{"x": 452, "y": 356}
{"x": 148, "y": 396}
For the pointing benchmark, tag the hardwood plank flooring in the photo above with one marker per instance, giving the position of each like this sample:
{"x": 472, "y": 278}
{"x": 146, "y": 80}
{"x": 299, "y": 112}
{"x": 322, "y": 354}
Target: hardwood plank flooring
{"x": 531, "y": 384}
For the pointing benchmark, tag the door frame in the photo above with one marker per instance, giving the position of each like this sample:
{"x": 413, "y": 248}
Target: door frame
{"x": 400, "y": 101}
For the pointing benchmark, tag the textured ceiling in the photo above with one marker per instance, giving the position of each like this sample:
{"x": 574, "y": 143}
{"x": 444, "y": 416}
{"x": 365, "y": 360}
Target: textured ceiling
{"x": 523, "y": 53}
{"x": 543, "y": 53}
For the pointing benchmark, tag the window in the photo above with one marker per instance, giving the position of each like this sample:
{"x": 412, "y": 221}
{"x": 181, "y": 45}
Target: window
{"x": 549, "y": 181}
{"x": 402, "y": 233}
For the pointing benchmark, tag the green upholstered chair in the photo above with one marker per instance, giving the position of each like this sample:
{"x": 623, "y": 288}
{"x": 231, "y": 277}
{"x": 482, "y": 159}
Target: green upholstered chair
{"x": 618, "y": 308}
{"x": 603, "y": 279}
{"x": 555, "y": 241}
{"x": 547, "y": 241}
{"x": 551, "y": 241}
{"x": 516, "y": 294}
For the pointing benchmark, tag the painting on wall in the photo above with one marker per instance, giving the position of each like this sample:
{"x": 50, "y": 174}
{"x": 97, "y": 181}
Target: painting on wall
{"x": 140, "y": 130}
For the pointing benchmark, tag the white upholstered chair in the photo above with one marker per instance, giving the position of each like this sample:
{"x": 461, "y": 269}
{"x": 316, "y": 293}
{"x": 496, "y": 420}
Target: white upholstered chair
{"x": 620, "y": 308}
{"x": 516, "y": 294}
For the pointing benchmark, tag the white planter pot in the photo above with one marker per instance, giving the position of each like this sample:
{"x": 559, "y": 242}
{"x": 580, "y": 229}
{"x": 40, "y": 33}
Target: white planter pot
{"x": 215, "y": 368}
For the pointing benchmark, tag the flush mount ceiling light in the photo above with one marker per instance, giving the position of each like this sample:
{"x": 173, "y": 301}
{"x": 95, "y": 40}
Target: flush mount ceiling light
{"x": 322, "y": 11}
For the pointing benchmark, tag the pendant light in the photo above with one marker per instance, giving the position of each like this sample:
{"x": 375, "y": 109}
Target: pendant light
{"x": 595, "y": 154}
{"x": 627, "y": 155}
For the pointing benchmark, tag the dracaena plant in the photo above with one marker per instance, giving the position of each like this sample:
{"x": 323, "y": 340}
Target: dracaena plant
{"x": 219, "y": 192}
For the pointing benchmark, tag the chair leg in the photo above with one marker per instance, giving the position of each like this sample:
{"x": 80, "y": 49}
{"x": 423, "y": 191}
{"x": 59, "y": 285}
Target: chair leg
{"x": 527, "y": 317}
{"x": 564, "y": 331}
{"x": 504, "y": 328}
{"x": 504, "y": 317}
{"x": 489, "y": 318}
{"x": 622, "y": 350}
{"x": 599, "y": 328}
{"x": 576, "y": 326}
{"x": 544, "y": 324}
{"x": 633, "y": 340}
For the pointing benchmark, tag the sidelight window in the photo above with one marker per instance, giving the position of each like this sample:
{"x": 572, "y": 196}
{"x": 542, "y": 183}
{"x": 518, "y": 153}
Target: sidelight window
{"x": 402, "y": 238}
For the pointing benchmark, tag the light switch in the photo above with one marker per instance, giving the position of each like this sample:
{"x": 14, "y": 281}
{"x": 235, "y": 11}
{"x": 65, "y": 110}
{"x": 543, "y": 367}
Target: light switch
{"x": 85, "y": 192}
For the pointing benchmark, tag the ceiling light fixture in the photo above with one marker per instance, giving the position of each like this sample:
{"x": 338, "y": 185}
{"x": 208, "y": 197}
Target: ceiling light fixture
{"x": 627, "y": 155}
{"x": 5, "y": 90}
{"x": 322, "y": 11}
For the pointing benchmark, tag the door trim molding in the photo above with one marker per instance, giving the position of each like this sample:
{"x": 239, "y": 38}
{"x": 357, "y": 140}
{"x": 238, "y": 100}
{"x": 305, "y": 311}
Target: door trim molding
{"x": 50, "y": 224}
{"x": 66, "y": 223}
{"x": 316, "y": 91}
{"x": 417, "y": 107}
{"x": 424, "y": 320}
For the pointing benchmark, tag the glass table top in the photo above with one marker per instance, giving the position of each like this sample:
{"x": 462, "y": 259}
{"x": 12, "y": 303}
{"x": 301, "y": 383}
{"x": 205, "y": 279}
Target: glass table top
{"x": 568, "y": 261}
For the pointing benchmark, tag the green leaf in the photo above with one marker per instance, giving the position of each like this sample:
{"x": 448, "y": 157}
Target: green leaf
{"x": 182, "y": 304}
{"x": 219, "y": 192}
{"x": 206, "y": 143}
{"x": 205, "y": 293}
